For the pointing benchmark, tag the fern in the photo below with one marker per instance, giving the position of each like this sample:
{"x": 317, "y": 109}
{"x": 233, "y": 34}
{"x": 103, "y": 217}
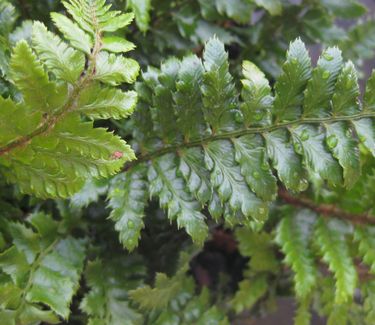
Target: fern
{"x": 336, "y": 254}
{"x": 106, "y": 303}
{"x": 363, "y": 236}
{"x": 39, "y": 264}
{"x": 268, "y": 166}
{"x": 249, "y": 292}
{"x": 172, "y": 300}
{"x": 225, "y": 156}
{"x": 53, "y": 151}
{"x": 257, "y": 246}
{"x": 294, "y": 243}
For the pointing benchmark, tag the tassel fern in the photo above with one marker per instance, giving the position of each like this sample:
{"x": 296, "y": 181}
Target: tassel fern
{"x": 196, "y": 132}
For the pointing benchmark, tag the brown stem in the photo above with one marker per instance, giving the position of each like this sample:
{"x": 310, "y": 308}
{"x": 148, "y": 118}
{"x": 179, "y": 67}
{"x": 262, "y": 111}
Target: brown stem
{"x": 326, "y": 210}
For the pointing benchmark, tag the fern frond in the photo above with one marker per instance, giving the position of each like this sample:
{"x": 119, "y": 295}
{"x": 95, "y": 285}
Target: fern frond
{"x": 95, "y": 16}
{"x": 128, "y": 197}
{"x": 294, "y": 242}
{"x": 290, "y": 85}
{"x": 46, "y": 147}
{"x": 28, "y": 74}
{"x": 179, "y": 290}
{"x": 106, "y": 303}
{"x": 218, "y": 89}
{"x": 114, "y": 70}
{"x": 227, "y": 179}
{"x": 39, "y": 264}
{"x": 364, "y": 236}
{"x": 165, "y": 183}
{"x": 63, "y": 61}
{"x": 249, "y": 292}
{"x": 224, "y": 141}
{"x": 98, "y": 102}
{"x": 141, "y": 9}
{"x": 71, "y": 31}
{"x": 259, "y": 247}
{"x": 335, "y": 252}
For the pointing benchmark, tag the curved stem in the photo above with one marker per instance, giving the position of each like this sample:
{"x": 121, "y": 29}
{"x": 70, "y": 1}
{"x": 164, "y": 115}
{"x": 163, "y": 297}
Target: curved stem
{"x": 240, "y": 132}
{"x": 326, "y": 210}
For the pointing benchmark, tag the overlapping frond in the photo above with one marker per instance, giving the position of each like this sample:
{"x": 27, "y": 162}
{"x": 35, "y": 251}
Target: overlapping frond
{"x": 208, "y": 144}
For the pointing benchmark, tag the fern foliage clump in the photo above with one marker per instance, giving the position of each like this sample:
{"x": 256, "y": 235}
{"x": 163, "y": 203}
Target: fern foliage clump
{"x": 186, "y": 162}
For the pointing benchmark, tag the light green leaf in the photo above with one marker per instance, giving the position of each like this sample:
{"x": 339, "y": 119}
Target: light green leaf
{"x": 335, "y": 252}
{"x": 294, "y": 240}
{"x": 71, "y": 31}
{"x": 114, "y": 70}
{"x": 365, "y": 238}
{"x": 141, "y": 9}
{"x": 117, "y": 22}
{"x": 30, "y": 78}
{"x": 103, "y": 103}
{"x": 249, "y": 292}
{"x": 63, "y": 61}
{"x": 260, "y": 248}
{"x": 117, "y": 44}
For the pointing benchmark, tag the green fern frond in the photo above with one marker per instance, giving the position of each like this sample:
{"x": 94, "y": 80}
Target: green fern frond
{"x": 179, "y": 290}
{"x": 128, "y": 197}
{"x": 249, "y": 292}
{"x": 107, "y": 301}
{"x": 294, "y": 242}
{"x": 63, "y": 61}
{"x": 40, "y": 263}
{"x": 224, "y": 141}
{"x": 259, "y": 247}
{"x": 45, "y": 145}
{"x": 141, "y": 9}
{"x": 364, "y": 236}
{"x": 331, "y": 243}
